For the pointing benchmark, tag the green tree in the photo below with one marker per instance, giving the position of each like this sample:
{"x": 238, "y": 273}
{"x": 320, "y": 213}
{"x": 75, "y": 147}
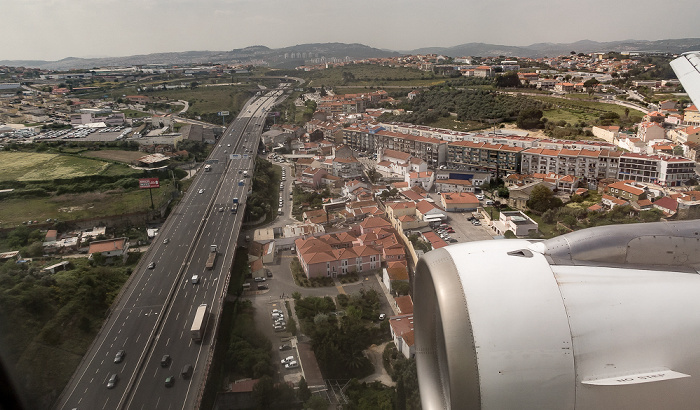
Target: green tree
{"x": 316, "y": 402}
{"x": 510, "y": 79}
{"x": 303, "y": 393}
{"x": 400, "y": 396}
{"x": 530, "y": 118}
{"x": 543, "y": 199}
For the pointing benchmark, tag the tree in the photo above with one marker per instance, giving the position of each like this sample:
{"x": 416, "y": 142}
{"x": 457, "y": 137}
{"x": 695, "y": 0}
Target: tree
{"x": 303, "y": 393}
{"x": 510, "y": 79}
{"x": 543, "y": 199}
{"x": 530, "y": 118}
{"x": 400, "y": 396}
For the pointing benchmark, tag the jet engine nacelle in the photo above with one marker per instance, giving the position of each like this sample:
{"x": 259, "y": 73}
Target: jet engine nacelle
{"x": 604, "y": 318}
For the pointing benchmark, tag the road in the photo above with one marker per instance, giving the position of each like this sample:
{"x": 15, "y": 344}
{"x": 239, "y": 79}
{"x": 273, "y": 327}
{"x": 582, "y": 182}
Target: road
{"x": 154, "y": 312}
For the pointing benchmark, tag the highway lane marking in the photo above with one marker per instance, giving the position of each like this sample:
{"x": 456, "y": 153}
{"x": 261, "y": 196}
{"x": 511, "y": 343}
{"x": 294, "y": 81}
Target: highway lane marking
{"x": 106, "y": 403}
{"x": 167, "y": 342}
{"x": 138, "y": 338}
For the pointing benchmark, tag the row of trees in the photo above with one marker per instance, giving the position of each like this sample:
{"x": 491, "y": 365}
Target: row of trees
{"x": 468, "y": 104}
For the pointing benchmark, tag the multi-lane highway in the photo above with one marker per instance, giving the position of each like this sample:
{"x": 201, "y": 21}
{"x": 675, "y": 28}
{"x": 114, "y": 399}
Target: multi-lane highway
{"x": 154, "y": 313}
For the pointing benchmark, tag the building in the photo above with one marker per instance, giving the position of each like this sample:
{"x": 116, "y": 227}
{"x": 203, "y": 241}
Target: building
{"x": 459, "y": 202}
{"x": 332, "y": 255}
{"x": 516, "y": 222}
{"x": 483, "y": 156}
{"x": 608, "y": 134}
{"x": 395, "y": 271}
{"x": 110, "y": 248}
{"x": 402, "y": 334}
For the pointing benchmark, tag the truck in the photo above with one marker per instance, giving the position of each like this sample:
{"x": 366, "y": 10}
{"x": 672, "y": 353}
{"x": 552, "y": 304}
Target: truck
{"x": 234, "y": 207}
{"x": 199, "y": 325}
{"x": 212, "y": 257}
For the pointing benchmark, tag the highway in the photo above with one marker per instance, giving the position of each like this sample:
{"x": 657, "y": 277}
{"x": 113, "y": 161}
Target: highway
{"x": 153, "y": 315}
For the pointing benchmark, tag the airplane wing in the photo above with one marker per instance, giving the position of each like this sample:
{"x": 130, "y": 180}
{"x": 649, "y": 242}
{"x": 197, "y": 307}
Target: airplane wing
{"x": 687, "y": 68}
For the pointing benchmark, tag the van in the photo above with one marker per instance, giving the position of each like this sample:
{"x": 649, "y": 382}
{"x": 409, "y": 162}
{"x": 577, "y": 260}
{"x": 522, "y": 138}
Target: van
{"x": 186, "y": 372}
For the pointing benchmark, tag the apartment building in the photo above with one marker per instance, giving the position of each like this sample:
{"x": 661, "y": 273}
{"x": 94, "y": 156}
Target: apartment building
{"x": 483, "y": 156}
{"x": 590, "y": 165}
{"x": 665, "y": 171}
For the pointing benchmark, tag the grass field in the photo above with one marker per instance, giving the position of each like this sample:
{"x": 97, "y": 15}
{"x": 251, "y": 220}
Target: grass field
{"x": 370, "y": 75}
{"x": 209, "y": 99}
{"x": 29, "y": 166}
{"x": 592, "y": 107}
{"x": 115, "y": 155}
{"x": 78, "y": 206}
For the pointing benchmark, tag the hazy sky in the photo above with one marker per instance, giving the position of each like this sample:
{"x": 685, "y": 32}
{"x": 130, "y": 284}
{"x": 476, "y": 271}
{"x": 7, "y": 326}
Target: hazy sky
{"x": 55, "y": 29}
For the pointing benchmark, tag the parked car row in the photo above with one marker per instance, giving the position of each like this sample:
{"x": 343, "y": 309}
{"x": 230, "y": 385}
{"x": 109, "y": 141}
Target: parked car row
{"x": 278, "y": 322}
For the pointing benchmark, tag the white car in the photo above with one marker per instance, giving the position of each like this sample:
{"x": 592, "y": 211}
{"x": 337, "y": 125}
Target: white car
{"x": 291, "y": 365}
{"x": 195, "y": 279}
{"x": 287, "y": 359}
{"x": 201, "y": 191}
{"x": 479, "y": 197}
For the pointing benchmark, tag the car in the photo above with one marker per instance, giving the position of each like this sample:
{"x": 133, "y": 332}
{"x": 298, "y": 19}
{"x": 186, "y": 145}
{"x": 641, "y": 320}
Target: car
{"x": 221, "y": 209}
{"x": 280, "y": 323}
{"x": 151, "y": 265}
{"x": 279, "y": 328}
{"x": 195, "y": 279}
{"x": 201, "y": 191}
{"x": 169, "y": 381}
{"x": 112, "y": 381}
{"x": 186, "y": 372}
{"x": 263, "y": 287}
{"x": 479, "y": 197}
{"x": 287, "y": 359}
{"x": 453, "y": 240}
{"x": 276, "y": 311}
{"x": 268, "y": 273}
{"x": 260, "y": 279}
{"x": 119, "y": 357}
{"x": 291, "y": 365}
{"x": 165, "y": 361}
{"x": 285, "y": 347}
{"x": 450, "y": 231}
{"x": 228, "y": 145}
{"x": 476, "y": 223}
{"x": 382, "y": 316}
{"x": 166, "y": 241}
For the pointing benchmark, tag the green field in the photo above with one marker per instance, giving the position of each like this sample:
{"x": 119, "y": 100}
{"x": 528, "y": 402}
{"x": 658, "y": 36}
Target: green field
{"x": 592, "y": 107}
{"x": 371, "y": 75}
{"x": 209, "y": 99}
{"x": 14, "y": 211}
{"x": 29, "y": 166}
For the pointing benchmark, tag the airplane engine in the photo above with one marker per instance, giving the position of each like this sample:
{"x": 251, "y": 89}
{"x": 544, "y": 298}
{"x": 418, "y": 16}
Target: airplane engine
{"x": 603, "y": 318}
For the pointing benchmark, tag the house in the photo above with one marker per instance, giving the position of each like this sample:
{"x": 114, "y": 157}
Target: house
{"x": 516, "y": 222}
{"x": 404, "y": 304}
{"x": 667, "y": 205}
{"x": 402, "y": 334}
{"x": 428, "y": 212}
{"x": 454, "y": 185}
{"x": 110, "y": 248}
{"x": 292, "y": 231}
{"x": 459, "y": 201}
{"x": 311, "y": 177}
{"x": 647, "y": 131}
{"x": 330, "y": 255}
{"x": 395, "y": 271}
{"x": 626, "y": 190}
{"x": 608, "y": 134}
{"x": 611, "y": 202}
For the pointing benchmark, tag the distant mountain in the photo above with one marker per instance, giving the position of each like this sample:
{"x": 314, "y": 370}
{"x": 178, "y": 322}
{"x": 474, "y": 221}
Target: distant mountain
{"x": 274, "y": 57}
{"x": 674, "y": 46}
{"x": 317, "y": 52}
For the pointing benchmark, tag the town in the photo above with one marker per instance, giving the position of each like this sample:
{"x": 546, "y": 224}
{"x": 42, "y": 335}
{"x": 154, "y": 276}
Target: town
{"x": 344, "y": 194}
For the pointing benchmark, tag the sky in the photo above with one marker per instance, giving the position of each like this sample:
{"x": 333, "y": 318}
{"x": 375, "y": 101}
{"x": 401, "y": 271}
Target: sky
{"x": 56, "y": 29}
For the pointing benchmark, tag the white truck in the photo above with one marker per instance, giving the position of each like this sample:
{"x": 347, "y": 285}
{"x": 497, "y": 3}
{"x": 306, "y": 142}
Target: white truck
{"x": 212, "y": 257}
{"x": 199, "y": 325}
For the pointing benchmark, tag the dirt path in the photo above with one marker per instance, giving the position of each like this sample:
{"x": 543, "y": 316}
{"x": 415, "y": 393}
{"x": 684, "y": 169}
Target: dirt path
{"x": 374, "y": 353}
